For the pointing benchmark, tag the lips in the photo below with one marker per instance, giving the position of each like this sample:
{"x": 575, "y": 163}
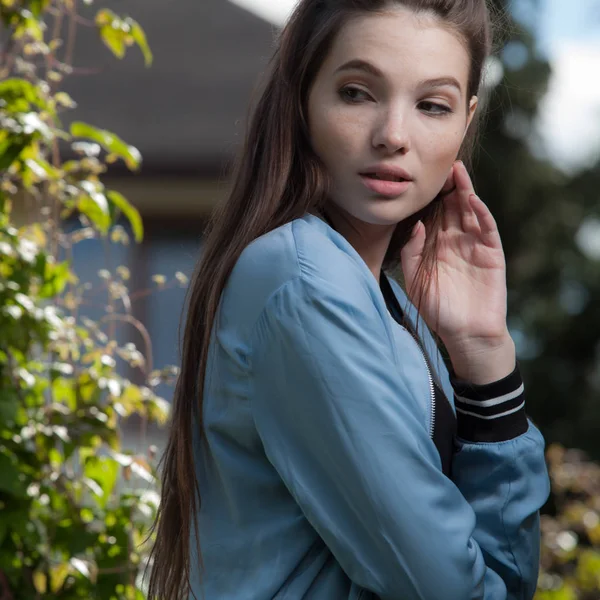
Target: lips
{"x": 386, "y": 188}
{"x": 384, "y": 172}
{"x": 383, "y": 177}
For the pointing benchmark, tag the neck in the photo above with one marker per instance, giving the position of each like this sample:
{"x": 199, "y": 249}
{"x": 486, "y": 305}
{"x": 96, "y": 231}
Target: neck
{"x": 370, "y": 241}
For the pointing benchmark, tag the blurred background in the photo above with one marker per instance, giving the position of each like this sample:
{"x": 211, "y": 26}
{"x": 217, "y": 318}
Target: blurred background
{"x": 538, "y": 167}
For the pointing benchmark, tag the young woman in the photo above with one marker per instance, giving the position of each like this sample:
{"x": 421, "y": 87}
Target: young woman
{"x": 319, "y": 448}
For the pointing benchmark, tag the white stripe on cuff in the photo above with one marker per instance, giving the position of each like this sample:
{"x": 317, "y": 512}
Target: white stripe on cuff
{"x": 489, "y": 417}
{"x": 493, "y": 401}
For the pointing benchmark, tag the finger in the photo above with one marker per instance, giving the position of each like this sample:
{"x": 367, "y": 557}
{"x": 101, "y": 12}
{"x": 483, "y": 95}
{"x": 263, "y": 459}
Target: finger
{"x": 468, "y": 217}
{"x": 411, "y": 254}
{"x": 487, "y": 223}
{"x": 451, "y": 213}
{"x": 464, "y": 184}
{"x": 449, "y": 184}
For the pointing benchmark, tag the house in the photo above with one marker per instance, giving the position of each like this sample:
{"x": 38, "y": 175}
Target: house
{"x": 186, "y": 115}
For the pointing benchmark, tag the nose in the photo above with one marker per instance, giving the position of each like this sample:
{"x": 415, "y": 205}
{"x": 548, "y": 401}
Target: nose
{"x": 391, "y": 132}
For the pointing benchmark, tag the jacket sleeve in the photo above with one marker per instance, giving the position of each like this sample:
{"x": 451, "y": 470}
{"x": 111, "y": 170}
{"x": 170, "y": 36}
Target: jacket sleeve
{"x": 499, "y": 471}
{"x": 337, "y": 418}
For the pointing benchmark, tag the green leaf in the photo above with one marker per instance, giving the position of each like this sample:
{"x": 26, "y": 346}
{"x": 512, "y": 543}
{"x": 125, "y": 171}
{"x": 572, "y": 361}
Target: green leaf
{"x": 158, "y": 410}
{"x": 19, "y": 94}
{"x": 56, "y": 277}
{"x": 40, "y": 582}
{"x": 140, "y": 39}
{"x": 81, "y": 566}
{"x": 95, "y": 209}
{"x": 87, "y": 388}
{"x": 37, "y": 7}
{"x": 114, "y": 31}
{"x": 29, "y": 27}
{"x": 10, "y": 148}
{"x": 65, "y": 100}
{"x": 564, "y": 593}
{"x": 58, "y": 574}
{"x": 114, "y": 40}
{"x": 104, "y": 471}
{"x": 130, "y": 212}
{"x": 5, "y": 204}
{"x": 63, "y": 391}
{"x": 3, "y": 530}
{"x": 110, "y": 142}
{"x": 9, "y": 405}
{"x": 9, "y": 475}
{"x": 118, "y": 34}
{"x": 35, "y": 170}
{"x": 588, "y": 570}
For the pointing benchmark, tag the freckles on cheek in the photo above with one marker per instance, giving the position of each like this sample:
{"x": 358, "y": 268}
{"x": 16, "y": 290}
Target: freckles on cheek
{"x": 444, "y": 147}
{"x": 334, "y": 132}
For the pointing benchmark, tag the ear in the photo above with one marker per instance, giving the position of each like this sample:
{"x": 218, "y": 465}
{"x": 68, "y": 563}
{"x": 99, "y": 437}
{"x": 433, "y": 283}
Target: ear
{"x": 472, "y": 109}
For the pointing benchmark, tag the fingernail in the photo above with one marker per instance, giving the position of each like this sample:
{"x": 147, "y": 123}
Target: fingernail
{"x": 415, "y": 229}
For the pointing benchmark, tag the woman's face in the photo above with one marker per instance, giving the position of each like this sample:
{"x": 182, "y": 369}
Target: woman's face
{"x": 391, "y": 93}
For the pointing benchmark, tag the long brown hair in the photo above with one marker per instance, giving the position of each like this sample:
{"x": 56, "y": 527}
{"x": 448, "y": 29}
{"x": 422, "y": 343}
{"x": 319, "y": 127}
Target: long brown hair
{"x": 277, "y": 178}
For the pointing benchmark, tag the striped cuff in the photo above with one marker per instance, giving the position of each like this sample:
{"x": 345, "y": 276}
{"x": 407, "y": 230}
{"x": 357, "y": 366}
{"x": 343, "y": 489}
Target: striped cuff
{"x": 490, "y": 413}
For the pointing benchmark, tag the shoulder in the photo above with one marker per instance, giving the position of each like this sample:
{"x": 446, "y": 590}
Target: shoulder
{"x": 325, "y": 256}
{"x": 305, "y": 251}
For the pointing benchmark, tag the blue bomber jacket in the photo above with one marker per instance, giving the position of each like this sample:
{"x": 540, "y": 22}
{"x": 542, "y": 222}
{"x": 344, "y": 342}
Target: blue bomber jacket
{"x": 319, "y": 474}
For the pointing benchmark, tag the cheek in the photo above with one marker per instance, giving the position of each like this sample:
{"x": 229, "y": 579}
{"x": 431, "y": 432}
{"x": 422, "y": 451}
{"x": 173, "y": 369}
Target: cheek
{"x": 335, "y": 135}
{"x": 441, "y": 148}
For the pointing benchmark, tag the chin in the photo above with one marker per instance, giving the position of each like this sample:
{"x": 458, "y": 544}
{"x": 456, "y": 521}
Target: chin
{"x": 384, "y": 212}
{"x": 375, "y": 220}
{"x": 377, "y": 211}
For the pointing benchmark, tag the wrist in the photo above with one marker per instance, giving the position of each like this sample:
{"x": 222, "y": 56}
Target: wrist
{"x": 490, "y": 413}
{"x": 481, "y": 362}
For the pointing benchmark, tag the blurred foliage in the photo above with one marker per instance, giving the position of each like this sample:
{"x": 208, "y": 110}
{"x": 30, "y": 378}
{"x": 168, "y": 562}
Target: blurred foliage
{"x": 548, "y": 219}
{"x": 74, "y": 505}
{"x": 570, "y": 566}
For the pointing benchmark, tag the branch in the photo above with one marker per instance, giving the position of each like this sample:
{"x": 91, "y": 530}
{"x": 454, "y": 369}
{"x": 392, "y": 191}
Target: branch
{"x": 6, "y": 593}
{"x": 71, "y": 34}
{"x": 6, "y": 58}
{"x": 143, "y": 332}
{"x": 146, "y": 336}
{"x": 75, "y": 71}
{"x": 7, "y": 47}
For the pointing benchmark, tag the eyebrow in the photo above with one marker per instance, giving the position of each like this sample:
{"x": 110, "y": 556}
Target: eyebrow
{"x": 367, "y": 67}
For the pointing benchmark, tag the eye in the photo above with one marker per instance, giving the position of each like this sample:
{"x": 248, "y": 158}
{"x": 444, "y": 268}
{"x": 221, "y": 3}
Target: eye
{"x": 349, "y": 94}
{"x": 435, "y": 109}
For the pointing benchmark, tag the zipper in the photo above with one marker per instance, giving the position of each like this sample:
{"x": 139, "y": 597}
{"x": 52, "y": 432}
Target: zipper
{"x": 431, "y": 392}
{"x": 431, "y": 386}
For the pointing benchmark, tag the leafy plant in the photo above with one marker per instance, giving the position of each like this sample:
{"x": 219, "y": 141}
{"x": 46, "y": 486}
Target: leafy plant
{"x": 74, "y": 505}
{"x": 570, "y": 566}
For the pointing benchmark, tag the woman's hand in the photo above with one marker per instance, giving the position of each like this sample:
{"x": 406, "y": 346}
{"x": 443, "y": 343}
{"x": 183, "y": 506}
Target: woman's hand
{"x": 470, "y": 287}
